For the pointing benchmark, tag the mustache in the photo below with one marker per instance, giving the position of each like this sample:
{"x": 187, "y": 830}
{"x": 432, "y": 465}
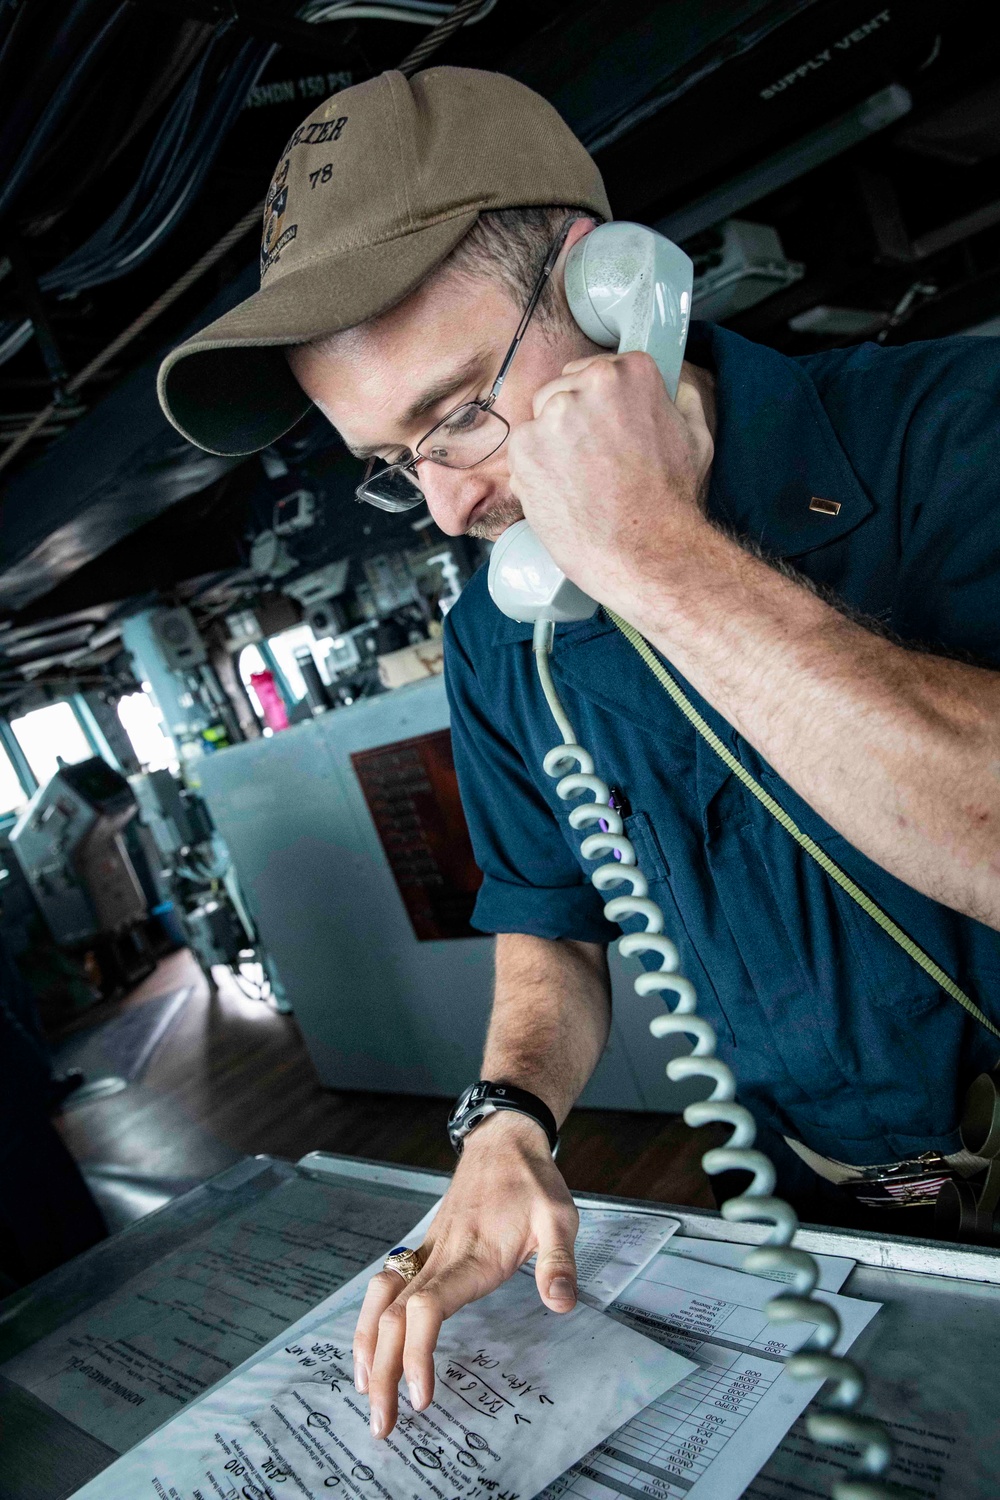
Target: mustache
{"x": 493, "y": 522}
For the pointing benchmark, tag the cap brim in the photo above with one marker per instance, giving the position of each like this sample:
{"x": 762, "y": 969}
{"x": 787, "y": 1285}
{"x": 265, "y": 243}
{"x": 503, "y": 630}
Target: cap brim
{"x": 230, "y": 390}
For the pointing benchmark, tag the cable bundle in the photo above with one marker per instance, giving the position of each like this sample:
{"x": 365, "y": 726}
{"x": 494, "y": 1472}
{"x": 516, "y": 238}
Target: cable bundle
{"x": 181, "y": 156}
{"x": 187, "y": 143}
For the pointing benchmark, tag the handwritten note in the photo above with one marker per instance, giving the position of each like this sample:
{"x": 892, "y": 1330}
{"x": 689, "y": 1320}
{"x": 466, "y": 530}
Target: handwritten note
{"x": 613, "y": 1246}
{"x": 521, "y": 1393}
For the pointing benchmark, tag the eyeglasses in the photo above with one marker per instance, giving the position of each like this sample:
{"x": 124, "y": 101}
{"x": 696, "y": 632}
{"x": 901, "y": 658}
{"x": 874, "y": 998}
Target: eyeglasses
{"x": 466, "y": 436}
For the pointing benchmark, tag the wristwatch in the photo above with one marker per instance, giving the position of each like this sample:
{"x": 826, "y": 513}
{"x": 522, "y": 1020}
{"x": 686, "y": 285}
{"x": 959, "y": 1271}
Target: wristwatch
{"x": 484, "y": 1098}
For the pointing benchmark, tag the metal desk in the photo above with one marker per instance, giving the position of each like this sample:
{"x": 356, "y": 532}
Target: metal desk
{"x": 932, "y": 1348}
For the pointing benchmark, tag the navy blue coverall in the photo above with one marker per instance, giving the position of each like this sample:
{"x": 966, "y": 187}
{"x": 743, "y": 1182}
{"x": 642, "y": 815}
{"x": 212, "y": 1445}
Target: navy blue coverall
{"x": 836, "y": 1037}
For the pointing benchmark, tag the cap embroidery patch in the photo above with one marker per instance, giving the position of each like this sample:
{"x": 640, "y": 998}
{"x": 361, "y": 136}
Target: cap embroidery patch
{"x": 276, "y": 236}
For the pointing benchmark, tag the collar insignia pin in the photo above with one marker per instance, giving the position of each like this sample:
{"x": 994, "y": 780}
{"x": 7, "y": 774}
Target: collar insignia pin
{"x": 824, "y": 507}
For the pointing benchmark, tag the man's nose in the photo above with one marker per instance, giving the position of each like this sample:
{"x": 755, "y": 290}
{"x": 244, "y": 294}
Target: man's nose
{"x": 453, "y": 494}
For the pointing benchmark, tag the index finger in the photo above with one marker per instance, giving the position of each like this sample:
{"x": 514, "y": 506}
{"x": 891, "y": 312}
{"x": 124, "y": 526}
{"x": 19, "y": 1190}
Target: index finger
{"x": 429, "y": 1303}
{"x": 568, "y": 380}
{"x": 576, "y": 365}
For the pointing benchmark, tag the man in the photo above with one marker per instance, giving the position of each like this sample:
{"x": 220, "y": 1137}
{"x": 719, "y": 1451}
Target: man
{"x": 777, "y": 534}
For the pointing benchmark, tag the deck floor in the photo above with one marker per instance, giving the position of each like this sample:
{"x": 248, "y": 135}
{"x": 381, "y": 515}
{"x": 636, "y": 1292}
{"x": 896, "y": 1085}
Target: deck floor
{"x": 233, "y": 1078}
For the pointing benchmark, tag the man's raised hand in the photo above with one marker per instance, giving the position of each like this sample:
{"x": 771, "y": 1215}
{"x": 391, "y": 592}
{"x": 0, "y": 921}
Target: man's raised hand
{"x": 507, "y": 1202}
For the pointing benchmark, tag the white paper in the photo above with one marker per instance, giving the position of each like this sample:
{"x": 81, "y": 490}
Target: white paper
{"x": 833, "y": 1269}
{"x": 708, "y": 1436}
{"x": 122, "y": 1368}
{"x": 612, "y": 1246}
{"x": 520, "y": 1394}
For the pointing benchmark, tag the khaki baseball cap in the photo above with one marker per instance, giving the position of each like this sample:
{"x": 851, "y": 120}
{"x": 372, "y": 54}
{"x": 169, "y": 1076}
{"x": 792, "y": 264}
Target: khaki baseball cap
{"x": 372, "y": 192}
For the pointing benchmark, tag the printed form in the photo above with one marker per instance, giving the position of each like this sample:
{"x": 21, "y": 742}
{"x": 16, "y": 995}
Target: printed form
{"x": 122, "y": 1368}
{"x": 833, "y": 1269}
{"x": 708, "y": 1436}
{"x": 613, "y": 1246}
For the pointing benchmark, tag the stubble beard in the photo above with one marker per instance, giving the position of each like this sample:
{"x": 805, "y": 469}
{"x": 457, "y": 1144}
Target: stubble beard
{"x": 494, "y": 522}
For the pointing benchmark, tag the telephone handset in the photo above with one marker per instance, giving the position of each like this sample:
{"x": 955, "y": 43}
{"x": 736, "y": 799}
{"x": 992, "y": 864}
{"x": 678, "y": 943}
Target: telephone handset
{"x": 628, "y": 288}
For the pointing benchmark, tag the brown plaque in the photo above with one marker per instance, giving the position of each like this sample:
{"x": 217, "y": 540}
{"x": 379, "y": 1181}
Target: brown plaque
{"x": 412, "y": 794}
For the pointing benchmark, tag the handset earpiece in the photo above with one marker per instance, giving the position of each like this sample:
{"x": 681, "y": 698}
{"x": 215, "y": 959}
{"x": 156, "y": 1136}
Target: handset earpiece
{"x": 629, "y": 289}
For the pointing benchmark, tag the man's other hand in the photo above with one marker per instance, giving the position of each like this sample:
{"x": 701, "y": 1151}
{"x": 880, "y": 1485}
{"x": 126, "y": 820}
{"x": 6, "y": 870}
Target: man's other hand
{"x": 611, "y": 473}
{"x": 507, "y": 1202}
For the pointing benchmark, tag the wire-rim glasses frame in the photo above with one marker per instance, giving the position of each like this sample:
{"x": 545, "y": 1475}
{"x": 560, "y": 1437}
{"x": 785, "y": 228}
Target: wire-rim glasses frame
{"x": 379, "y": 483}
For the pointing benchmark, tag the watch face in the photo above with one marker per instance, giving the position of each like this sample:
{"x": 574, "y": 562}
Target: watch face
{"x": 484, "y": 1098}
{"x": 461, "y": 1104}
{"x": 471, "y": 1107}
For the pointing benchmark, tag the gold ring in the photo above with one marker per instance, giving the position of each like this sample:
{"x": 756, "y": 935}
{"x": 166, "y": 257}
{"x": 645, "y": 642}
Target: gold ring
{"x": 405, "y": 1262}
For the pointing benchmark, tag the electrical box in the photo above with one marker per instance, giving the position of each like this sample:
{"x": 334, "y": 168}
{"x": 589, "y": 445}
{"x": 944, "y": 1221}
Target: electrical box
{"x": 737, "y": 265}
{"x": 294, "y": 512}
{"x": 324, "y": 583}
{"x": 327, "y": 619}
{"x": 177, "y": 636}
{"x": 343, "y": 654}
{"x": 175, "y": 819}
{"x": 269, "y": 556}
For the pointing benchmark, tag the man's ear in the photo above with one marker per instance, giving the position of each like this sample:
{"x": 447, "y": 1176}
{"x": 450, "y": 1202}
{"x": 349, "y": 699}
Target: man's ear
{"x": 578, "y": 230}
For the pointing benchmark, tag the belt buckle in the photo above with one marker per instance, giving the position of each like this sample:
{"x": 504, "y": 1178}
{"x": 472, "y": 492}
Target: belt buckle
{"x": 907, "y": 1184}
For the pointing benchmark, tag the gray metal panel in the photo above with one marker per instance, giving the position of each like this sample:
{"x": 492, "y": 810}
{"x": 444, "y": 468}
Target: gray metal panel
{"x": 45, "y": 838}
{"x": 929, "y": 1354}
{"x": 378, "y": 1009}
{"x": 45, "y": 1455}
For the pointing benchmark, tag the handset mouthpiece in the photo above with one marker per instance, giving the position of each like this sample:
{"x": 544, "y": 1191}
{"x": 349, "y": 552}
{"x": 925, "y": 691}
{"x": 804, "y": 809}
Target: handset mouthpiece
{"x": 528, "y": 586}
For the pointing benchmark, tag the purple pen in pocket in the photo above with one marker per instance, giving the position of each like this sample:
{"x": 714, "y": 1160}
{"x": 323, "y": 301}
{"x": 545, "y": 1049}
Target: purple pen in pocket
{"x": 619, "y": 803}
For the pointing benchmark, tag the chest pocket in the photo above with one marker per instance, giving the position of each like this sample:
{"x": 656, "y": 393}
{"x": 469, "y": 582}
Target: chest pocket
{"x": 654, "y": 865}
{"x": 652, "y": 861}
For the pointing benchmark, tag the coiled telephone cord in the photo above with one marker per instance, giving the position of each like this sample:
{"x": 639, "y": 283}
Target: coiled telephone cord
{"x": 837, "y": 1421}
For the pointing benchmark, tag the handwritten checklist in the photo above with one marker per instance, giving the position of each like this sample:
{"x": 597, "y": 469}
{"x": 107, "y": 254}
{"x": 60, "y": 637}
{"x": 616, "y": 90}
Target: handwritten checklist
{"x": 521, "y": 1393}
